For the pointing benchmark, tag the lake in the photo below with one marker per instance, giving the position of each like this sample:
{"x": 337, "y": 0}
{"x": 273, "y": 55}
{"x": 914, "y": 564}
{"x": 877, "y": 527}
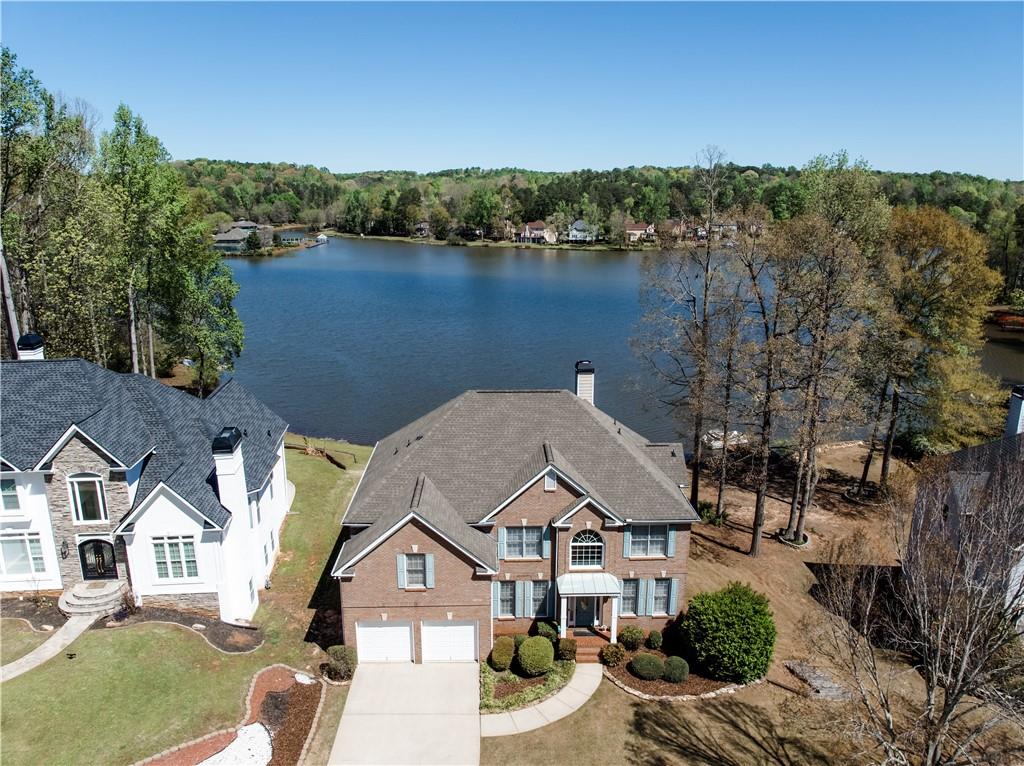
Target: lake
{"x": 355, "y": 338}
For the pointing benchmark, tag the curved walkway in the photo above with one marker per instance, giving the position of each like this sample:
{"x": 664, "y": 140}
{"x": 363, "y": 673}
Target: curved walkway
{"x": 51, "y": 647}
{"x": 584, "y": 682}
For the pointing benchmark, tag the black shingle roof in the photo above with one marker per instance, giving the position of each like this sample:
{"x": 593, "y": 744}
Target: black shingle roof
{"x": 134, "y": 417}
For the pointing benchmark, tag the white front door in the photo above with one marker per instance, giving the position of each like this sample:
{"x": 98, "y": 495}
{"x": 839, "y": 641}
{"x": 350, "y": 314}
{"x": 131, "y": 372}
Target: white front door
{"x": 384, "y": 641}
{"x": 448, "y": 641}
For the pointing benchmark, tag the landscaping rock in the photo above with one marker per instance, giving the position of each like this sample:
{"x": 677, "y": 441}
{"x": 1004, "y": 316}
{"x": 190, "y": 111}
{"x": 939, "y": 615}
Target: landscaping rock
{"x": 822, "y": 684}
{"x": 251, "y": 748}
{"x": 46, "y": 627}
{"x": 302, "y": 678}
{"x": 198, "y": 626}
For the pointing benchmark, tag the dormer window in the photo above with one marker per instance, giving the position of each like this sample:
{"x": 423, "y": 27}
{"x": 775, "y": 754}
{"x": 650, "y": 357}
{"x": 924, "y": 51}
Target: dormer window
{"x": 586, "y": 550}
{"x": 9, "y": 490}
{"x": 87, "y": 499}
{"x": 550, "y": 481}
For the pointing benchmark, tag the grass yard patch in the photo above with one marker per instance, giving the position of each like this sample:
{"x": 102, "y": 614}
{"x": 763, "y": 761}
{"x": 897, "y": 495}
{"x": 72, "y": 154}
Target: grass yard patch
{"x": 505, "y": 690}
{"x": 17, "y": 639}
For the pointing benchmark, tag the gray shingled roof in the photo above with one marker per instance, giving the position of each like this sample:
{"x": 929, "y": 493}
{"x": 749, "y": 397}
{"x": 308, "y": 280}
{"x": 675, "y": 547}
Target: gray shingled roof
{"x": 431, "y": 506}
{"x": 134, "y": 417}
{"x": 475, "y": 448}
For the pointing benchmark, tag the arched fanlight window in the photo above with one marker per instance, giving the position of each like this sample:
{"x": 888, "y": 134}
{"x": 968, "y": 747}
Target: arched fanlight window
{"x": 586, "y": 549}
{"x": 87, "y": 497}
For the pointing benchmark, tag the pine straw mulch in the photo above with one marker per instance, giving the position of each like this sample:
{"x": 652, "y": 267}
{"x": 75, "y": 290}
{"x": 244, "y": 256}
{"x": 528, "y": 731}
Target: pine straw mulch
{"x": 695, "y": 684}
{"x": 505, "y": 688}
{"x": 38, "y": 612}
{"x": 233, "y": 639}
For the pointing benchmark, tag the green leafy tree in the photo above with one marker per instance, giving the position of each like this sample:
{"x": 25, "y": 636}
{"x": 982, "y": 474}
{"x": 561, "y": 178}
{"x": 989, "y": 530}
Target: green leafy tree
{"x": 252, "y": 242}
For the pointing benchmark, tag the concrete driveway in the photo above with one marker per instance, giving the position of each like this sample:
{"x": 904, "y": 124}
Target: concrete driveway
{"x": 402, "y": 713}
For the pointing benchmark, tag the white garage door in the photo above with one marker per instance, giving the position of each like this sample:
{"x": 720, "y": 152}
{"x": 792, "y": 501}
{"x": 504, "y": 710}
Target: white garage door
{"x": 449, "y": 641}
{"x": 384, "y": 641}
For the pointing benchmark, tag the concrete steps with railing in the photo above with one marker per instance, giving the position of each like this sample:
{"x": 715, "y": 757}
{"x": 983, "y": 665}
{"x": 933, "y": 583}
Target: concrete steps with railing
{"x": 99, "y": 598}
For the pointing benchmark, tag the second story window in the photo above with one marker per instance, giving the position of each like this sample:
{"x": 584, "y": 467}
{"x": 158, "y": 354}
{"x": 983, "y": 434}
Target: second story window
{"x": 415, "y": 570}
{"x": 523, "y": 543}
{"x": 87, "y": 498}
{"x": 648, "y": 540}
{"x": 9, "y": 491}
{"x": 586, "y": 550}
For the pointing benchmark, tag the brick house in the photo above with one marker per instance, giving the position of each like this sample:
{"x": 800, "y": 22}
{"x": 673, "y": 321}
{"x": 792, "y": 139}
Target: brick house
{"x": 116, "y": 483}
{"x": 501, "y": 508}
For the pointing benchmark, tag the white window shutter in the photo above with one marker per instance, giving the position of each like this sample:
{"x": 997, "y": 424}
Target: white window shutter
{"x": 495, "y": 598}
{"x": 546, "y": 539}
{"x": 673, "y": 598}
{"x": 627, "y": 540}
{"x": 401, "y": 570}
{"x": 670, "y": 541}
{"x": 501, "y": 542}
{"x": 428, "y": 560}
{"x": 528, "y": 599}
{"x": 520, "y": 610}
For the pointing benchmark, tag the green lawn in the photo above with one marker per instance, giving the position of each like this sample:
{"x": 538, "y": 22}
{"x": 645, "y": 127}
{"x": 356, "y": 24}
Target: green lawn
{"x": 17, "y": 639}
{"x": 133, "y": 692}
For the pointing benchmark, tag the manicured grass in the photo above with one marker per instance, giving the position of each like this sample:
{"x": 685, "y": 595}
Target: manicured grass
{"x": 132, "y": 692}
{"x": 17, "y": 639}
{"x": 556, "y": 678}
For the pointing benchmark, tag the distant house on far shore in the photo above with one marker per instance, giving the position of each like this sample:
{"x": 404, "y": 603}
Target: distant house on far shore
{"x": 234, "y": 239}
{"x": 582, "y": 232}
{"x": 291, "y": 237}
{"x": 422, "y": 229}
{"x": 636, "y": 232}
{"x": 537, "y": 233}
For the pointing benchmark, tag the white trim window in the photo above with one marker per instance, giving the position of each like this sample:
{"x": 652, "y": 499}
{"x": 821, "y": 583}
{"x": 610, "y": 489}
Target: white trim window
{"x": 550, "y": 481}
{"x": 586, "y": 550}
{"x": 87, "y": 498}
{"x": 524, "y": 542}
{"x": 662, "y": 589}
{"x": 507, "y": 599}
{"x": 540, "y": 598}
{"x": 21, "y": 553}
{"x": 630, "y": 593}
{"x": 648, "y": 540}
{"x": 175, "y": 558}
{"x": 415, "y": 570}
{"x": 9, "y": 491}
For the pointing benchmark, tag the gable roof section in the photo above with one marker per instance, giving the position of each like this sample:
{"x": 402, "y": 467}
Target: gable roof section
{"x": 133, "y": 418}
{"x": 429, "y": 506}
{"x": 566, "y": 513}
{"x": 481, "y": 446}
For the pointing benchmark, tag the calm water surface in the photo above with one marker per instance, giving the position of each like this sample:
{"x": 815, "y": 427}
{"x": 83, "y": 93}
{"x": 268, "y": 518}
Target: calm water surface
{"x": 355, "y": 338}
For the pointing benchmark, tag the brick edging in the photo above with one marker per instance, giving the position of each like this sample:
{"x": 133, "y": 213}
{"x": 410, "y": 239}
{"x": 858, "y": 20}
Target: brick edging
{"x": 31, "y": 626}
{"x": 313, "y": 724}
{"x": 731, "y": 689}
{"x": 245, "y": 717}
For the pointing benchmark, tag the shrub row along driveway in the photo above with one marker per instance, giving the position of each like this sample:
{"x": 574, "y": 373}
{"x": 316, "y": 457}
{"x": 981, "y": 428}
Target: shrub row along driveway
{"x": 406, "y": 713}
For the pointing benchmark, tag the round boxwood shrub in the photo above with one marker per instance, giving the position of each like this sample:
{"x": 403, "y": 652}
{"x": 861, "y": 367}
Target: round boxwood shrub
{"x": 612, "y": 655}
{"x": 502, "y": 652}
{"x": 647, "y": 666}
{"x": 519, "y": 638}
{"x": 654, "y": 639}
{"x": 547, "y": 630}
{"x": 567, "y": 649}
{"x": 631, "y": 637}
{"x": 676, "y": 670}
{"x": 730, "y": 633}
{"x": 342, "y": 662}
{"x": 536, "y": 656}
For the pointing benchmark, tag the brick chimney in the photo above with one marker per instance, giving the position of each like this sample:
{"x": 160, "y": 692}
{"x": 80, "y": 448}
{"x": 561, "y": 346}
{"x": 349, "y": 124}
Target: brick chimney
{"x": 585, "y": 380}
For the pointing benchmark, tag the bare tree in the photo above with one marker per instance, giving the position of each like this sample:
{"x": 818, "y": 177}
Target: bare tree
{"x": 930, "y": 646}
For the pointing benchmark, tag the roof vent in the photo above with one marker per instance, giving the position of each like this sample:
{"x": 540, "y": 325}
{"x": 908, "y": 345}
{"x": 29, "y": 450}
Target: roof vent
{"x": 226, "y": 441}
{"x": 30, "y": 346}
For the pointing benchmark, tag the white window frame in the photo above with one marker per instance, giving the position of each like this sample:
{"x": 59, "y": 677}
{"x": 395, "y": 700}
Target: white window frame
{"x": 540, "y": 608}
{"x": 636, "y": 596}
{"x": 668, "y": 596}
{"x": 645, "y": 538}
{"x": 75, "y": 497}
{"x": 12, "y": 492}
{"x": 580, "y": 545}
{"x": 550, "y": 481}
{"x": 167, "y": 543}
{"x": 510, "y": 586}
{"x": 419, "y": 557}
{"x": 35, "y": 558}
{"x": 522, "y": 553}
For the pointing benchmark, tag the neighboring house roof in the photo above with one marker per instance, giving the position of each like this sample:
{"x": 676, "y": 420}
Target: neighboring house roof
{"x": 580, "y": 225}
{"x": 232, "y": 235}
{"x": 133, "y": 418}
{"x": 483, "y": 446}
{"x": 539, "y": 225}
{"x": 637, "y": 227}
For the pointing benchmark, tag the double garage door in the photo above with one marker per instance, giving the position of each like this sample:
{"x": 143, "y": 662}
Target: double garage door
{"x": 441, "y": 641}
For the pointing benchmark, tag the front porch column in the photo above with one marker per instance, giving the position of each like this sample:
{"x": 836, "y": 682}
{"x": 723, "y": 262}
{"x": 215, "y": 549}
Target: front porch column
{"x": 565, "y": 617}
{"x": 615, "y": 619}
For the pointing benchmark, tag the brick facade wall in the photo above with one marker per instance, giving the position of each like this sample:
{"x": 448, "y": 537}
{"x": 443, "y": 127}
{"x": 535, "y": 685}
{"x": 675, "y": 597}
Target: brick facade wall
{"x": 78, "y": 456}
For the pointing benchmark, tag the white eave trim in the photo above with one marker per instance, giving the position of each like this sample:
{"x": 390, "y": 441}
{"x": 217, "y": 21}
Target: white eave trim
{"x": 549, "y": 467}
{"x": 355, "y": 492}
{"x": 66, "y": 437}
{"x": 584, "y": 501}
{"x": 338, "y": 569}
{"x": 11, "y": 467}
{"x": 147, "y": 500}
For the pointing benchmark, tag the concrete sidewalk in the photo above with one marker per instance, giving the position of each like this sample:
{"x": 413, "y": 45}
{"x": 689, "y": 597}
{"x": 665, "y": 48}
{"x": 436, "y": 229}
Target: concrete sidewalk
{"x": 51, "y": 647}
{"x": 401, "y": 713}
{"x": 572, "y": 696}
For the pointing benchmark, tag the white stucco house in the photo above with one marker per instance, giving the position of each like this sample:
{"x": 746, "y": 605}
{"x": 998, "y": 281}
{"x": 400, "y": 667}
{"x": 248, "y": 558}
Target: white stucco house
{"x": 118, "y": 480}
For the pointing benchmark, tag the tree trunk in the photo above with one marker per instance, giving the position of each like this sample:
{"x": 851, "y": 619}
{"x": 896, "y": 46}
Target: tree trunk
{"x": 765, "y": 452}
{"x": 890, "y": 435}
{"x": 133, "y": 339}
{"x": 698, "y": 456}
{"x": 152, "y": 362}
{"x": 724, "y": 468}
{"x": 873, "y": 443}
{"x": 811, "y": 484}
{"x": 798, "y": 485}
{"x": 10, "y": 313}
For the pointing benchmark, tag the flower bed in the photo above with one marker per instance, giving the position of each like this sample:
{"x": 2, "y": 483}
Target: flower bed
{"x": 232, "y": 639}
{"x": 695, "y": 685}
{"x": 37, "y": 612}
{"x": 505, "y": 690}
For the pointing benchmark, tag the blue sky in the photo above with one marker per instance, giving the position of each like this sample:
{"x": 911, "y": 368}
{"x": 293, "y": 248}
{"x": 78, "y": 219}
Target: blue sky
{"x": 916, "y": 87}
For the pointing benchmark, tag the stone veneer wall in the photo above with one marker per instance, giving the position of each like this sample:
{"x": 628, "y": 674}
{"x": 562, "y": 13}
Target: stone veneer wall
{"x": 207, "y": 603}
{"x": 78, "y": 456}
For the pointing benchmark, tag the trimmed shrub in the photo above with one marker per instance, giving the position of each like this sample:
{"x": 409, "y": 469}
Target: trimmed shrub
{"x": 612, "y": 655}
{"x": 647, "y": 666}
{"x": 547, "y": 630}
{"x": 676, "y": 670}
{"x": 502, "y": 652}
{"x": 519, "y": 638}
{"x": 567, "y": 649}
{"x": 631, "y": 637}
{"x": 536, "y": 656}
{"x": 342, "y": 662}
{"x": 654, "y": 639}
{"x": 730, "y": 633}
